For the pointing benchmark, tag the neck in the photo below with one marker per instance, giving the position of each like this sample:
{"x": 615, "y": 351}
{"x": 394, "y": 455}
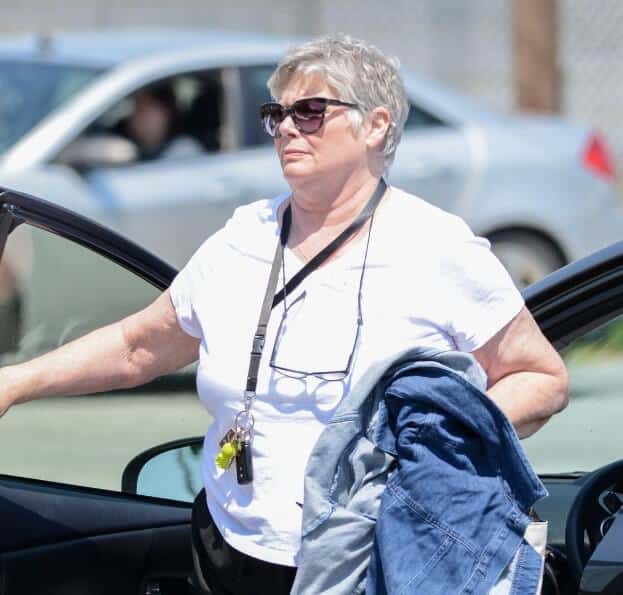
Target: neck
{"x": 330, "y": 207}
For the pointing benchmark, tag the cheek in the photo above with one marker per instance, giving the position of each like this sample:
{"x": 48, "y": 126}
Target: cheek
{"x": 341, "y": 146}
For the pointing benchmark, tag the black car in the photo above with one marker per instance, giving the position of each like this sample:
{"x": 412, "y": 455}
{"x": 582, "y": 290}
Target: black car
{"x": 95, "y": 492}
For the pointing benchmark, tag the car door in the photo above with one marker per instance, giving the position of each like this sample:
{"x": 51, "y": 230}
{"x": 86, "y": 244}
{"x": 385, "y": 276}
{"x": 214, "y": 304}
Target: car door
{"x": 152, "y": 199}
{"x": 579, "y": 308}
{"x": 67, "y": 527}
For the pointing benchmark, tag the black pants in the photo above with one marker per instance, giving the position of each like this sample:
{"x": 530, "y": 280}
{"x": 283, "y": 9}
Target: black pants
{"x": 222, "y": 570}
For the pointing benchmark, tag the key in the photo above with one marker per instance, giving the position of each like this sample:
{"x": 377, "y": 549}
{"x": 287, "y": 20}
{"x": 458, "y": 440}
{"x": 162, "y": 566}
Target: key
{"x": 244, "y": 462}
{"x": 230, "y": 436}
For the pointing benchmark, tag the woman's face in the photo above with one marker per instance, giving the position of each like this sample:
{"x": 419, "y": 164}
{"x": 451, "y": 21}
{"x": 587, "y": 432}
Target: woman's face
{"x": 334, "y": 150}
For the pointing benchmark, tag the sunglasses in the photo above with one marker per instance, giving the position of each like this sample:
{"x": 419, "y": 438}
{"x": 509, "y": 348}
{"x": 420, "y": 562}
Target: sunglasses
{"x": 307, "y": 114}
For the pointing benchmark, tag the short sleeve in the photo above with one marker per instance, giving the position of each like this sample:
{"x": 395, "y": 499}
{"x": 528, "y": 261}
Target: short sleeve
{"x": 193, "y": 282}
{"x": 478, "y": 293}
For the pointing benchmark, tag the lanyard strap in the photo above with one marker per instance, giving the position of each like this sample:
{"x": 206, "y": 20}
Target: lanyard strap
{"x": 317, "y": 260}
{"x": 271, "y": 300}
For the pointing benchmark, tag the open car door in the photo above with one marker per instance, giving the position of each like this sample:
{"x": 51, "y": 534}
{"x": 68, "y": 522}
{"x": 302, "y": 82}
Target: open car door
{"x": 66, "y": 526}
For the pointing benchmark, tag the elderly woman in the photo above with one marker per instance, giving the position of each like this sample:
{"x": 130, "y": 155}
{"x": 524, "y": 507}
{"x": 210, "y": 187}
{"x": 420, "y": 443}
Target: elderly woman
{"x": 406, "y": 274}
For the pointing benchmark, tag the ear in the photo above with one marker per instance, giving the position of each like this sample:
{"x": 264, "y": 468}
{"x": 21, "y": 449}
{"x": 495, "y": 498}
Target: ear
{"x": 379, "y": 121}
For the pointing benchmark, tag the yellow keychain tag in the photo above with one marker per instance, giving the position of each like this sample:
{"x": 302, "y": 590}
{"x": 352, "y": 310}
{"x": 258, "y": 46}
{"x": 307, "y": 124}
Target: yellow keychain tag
{"x": 226, "y": 455}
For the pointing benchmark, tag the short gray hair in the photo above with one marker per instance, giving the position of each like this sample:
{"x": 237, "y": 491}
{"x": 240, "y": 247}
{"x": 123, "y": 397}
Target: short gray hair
{"x": 358, "y": 72}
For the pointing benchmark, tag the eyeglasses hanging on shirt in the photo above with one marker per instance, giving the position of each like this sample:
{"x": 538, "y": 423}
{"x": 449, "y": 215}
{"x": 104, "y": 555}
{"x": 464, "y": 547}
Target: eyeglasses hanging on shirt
{"x": 301, "y": 327}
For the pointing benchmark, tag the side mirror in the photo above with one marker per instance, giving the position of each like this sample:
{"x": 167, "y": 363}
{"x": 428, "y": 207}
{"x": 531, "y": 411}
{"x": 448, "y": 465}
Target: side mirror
{"x": 171, "y": 470}
{"x": 98, "y": 151}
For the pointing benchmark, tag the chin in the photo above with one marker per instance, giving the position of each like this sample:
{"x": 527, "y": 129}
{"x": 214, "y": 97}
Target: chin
{"x": 298, "y": 172}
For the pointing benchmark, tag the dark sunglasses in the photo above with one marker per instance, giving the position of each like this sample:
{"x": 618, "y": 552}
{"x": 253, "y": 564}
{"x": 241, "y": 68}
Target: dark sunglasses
{"x": 307, "y": 114}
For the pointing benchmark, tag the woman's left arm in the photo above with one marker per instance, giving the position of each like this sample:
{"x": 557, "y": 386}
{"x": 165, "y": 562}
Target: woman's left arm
{"x": 527, "y": 378}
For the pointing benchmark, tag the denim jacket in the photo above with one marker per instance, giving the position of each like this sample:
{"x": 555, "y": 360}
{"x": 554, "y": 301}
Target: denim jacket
{"x": 418, "y": 484}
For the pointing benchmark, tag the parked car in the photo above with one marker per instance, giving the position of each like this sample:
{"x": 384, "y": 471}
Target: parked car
{"x": 539, "y": 188}
{"x": 95, "y": 492}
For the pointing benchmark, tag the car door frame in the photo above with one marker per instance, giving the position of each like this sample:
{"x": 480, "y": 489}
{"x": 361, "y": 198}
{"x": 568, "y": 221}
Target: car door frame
{"x": 578, "y": 297}
{"x": 17, "y": 208}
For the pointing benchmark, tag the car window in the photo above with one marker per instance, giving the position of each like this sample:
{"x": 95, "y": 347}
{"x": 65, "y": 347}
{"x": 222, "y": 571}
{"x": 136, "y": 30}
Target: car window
{"x": 52, "y": 291}
{"x": 29, "y": 91}
{"x": 254, "y": 92}
{"x": 421, "y": 118}
{"x": 584, "y": 436}
{"x": 180, "y": 117}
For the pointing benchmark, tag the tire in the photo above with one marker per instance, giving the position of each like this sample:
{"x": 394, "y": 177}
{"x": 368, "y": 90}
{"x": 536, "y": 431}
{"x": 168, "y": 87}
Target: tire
{"x": 526, "y": 257}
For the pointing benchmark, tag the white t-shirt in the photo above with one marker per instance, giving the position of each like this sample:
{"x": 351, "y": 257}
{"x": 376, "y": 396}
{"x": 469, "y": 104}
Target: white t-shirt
{"x": 428, "y": 282}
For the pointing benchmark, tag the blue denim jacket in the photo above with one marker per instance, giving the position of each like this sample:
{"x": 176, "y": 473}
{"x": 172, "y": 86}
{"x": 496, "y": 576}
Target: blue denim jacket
{"x": 418, "y": 445}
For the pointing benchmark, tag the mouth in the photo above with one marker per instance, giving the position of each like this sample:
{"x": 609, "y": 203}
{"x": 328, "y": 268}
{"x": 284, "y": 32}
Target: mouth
{"x": 294, "y": 152}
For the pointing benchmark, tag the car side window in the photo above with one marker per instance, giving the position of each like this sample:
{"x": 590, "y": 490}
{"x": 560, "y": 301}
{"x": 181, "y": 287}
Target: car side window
{"x": 420, "y": 118}
{"x": 179, "y": 117}
{"x": 583, "y": 436}
{"x": 52, "y": 291}
{"x": 254, "y": 92}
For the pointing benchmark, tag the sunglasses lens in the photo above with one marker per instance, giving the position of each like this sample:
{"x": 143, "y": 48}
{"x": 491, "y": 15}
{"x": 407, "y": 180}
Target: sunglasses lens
{"x": 271, "y": 115}
{"x": 309, "y": 114}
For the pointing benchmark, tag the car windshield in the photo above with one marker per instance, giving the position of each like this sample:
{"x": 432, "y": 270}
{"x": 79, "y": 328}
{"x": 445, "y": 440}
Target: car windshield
{"x": 29, "y": 91}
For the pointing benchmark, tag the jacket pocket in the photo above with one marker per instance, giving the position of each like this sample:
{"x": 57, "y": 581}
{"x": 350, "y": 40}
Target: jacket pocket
{"x": 415, "y": 552}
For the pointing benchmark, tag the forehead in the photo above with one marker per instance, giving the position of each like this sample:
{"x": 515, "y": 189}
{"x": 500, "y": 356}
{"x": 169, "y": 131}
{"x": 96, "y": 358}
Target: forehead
{"x": 303, "y": 85}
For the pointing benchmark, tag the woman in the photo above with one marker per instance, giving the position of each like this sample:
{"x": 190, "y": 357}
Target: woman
{"x": 410, "y": 275}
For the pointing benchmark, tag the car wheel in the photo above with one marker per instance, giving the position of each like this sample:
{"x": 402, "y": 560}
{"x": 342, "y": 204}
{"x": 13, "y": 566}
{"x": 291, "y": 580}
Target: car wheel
{"x": 526, "y": 257}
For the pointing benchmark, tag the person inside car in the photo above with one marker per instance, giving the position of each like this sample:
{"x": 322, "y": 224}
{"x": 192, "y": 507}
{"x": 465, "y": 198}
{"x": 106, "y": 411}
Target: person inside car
{"x": 155, "y": 125}
{"x": 409, "y": 274}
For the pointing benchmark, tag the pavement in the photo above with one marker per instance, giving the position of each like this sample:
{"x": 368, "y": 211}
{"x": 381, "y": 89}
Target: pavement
{"x": 89, "y": 440}
{"x": 587, "y": 434}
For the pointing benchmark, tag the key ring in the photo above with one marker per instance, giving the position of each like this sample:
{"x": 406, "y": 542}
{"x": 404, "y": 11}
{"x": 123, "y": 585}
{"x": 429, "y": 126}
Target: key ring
{"x": 244, "y": 422}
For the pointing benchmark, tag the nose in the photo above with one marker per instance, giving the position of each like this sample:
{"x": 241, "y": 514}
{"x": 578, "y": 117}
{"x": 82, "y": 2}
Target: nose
{"x": 287, "y": 127}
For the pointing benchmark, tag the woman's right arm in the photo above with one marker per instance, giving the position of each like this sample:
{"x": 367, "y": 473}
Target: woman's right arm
{"x": 121, "y": 355}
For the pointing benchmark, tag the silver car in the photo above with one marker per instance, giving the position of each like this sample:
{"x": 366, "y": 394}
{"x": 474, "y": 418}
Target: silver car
{"x": 539, "y": 188}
